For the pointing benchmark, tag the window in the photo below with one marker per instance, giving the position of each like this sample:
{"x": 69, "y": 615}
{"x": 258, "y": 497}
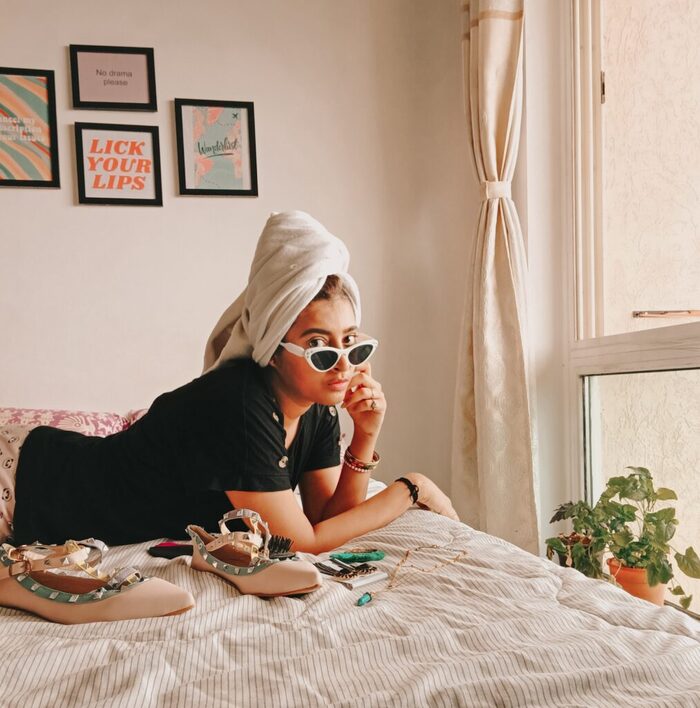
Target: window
{"x": 650, "y": 420}
{"x": 638, "y": 143}
{"x": 635, "y": 359}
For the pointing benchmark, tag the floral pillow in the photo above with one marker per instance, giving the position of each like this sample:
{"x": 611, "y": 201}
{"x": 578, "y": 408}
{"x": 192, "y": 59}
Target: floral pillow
{"x": 101, "y": 424}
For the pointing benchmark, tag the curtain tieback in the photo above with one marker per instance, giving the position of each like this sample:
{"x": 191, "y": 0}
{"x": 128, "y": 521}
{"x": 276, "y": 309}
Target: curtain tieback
{"x": 495, "y": 190}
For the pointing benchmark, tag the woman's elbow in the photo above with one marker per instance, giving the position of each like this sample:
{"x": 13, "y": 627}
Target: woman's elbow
{"x": 311, "y": 544}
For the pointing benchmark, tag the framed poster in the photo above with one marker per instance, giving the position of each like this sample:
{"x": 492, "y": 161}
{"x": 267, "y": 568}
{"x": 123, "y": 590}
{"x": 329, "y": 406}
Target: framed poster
{"x": 118, "y": 164}
{"x": 216, "y": 147}
{"x": 28, "y": 136}
{"x": 113, "y": 78}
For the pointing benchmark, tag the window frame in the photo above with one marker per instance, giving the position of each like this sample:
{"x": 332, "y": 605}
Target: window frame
{"x": 560, "y": 241}
{"x": 590, "y": 352}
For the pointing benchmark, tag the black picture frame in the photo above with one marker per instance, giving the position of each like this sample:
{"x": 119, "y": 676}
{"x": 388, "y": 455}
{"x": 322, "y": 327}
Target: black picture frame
{"x": 108, "y": 71}
{"x": 220, "y": 160}
{"x": 114, "y": 164}
{"x": 28, "y": 133}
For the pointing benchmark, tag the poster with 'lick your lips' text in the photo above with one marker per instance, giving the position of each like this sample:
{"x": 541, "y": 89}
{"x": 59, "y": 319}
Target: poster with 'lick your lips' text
{"x": 118, "y": 165}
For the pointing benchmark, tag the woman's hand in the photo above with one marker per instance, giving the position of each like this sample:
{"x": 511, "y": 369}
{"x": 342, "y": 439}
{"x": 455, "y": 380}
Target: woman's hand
{"x": 365, "y": 402}
{"x": 431, "y": 497}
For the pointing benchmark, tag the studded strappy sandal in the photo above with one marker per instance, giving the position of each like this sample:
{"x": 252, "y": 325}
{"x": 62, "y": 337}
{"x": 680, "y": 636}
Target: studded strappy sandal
{"x": 63, "y": 584}
{"x": 244, "y": 559}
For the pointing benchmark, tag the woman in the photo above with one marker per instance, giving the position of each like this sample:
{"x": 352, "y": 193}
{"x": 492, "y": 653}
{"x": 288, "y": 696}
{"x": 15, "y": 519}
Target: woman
{"x": 260, "y": 421}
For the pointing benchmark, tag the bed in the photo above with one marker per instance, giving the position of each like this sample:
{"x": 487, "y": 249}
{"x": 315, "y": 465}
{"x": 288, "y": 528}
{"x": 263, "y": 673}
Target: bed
{"x": 500, "y": 627}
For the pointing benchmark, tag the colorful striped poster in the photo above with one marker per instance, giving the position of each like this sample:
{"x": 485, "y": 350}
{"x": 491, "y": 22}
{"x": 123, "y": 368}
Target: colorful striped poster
{"x": 28, "y": 153}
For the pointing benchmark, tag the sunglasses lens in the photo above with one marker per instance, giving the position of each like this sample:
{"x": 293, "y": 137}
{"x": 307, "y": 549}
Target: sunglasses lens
{"x": 324, "y": 360}
{"x": 360, "y": 354}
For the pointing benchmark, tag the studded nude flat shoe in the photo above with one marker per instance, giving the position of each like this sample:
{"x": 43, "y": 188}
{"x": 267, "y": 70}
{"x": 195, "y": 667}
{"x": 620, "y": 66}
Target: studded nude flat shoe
{"x": 246, "y": 559}
{"x": 63, "y": 584}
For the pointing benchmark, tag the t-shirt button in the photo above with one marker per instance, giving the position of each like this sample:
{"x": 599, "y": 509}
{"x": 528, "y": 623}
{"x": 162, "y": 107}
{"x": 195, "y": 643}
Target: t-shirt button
{"x": 275, "y": 416}
{"x": 332, "y": 410}
{"x": 283, "y": 461}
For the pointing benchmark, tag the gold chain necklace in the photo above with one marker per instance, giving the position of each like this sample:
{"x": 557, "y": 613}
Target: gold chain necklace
{"x": 393, "y": 582}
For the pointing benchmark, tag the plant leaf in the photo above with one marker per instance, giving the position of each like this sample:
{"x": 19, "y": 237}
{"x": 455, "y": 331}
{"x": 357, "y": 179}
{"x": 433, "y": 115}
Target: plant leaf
{"x": 678, "y": 590}
{"x": 556, "y": 544}
{"x": 641, "y": 471}
{"x": 667, "y": 514}
{"x": 665, "y": 571}
{"x": 662, "y": 533}
{"x": 629, "y": 512}
{"x": 622, "y": 538}
{"x": 634, "y": 494}
{"x": 564, "y": 511}
{"x": 689, "y": 562}
{"x": 685, "y": 601}
{"x": 653, "y": 575}
{"x": 664, "y": 493}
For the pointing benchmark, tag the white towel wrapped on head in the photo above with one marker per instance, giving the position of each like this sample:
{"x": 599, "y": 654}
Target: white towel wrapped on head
{"x": 294, "y": 256}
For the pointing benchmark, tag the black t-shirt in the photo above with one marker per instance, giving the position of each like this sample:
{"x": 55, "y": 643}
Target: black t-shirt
{"x": 222, "y": 431}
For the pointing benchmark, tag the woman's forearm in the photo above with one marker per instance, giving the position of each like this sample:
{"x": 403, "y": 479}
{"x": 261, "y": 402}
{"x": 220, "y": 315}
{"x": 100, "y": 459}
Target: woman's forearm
{"x": 367, "y": 516}
{"x": 351, "y": 489}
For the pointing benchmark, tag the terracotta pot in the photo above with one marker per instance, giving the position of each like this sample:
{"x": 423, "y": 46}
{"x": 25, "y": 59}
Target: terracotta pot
{"x": 634, "y": 581}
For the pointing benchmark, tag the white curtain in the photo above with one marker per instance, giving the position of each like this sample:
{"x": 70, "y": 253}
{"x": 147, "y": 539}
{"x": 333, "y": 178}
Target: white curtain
{"x": 493, "y": 467}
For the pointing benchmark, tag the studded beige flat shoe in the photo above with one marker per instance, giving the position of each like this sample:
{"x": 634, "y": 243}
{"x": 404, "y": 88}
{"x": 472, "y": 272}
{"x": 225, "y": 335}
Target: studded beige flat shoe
{"x": 62, "y": 584}
{"x": 243, "y": 559}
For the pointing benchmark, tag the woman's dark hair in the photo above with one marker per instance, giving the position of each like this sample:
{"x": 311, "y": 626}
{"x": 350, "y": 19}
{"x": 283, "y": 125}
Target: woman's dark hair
{"x": 332, "y": 288}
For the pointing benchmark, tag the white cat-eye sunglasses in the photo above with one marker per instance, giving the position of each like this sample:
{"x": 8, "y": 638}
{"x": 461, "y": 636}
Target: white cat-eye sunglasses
{"x": 323, "y": 359}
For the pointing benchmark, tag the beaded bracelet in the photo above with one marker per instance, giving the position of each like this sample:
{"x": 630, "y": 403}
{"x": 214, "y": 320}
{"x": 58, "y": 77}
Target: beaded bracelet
{"x": 358, "y": 465}
{"x": 412, "y": 488}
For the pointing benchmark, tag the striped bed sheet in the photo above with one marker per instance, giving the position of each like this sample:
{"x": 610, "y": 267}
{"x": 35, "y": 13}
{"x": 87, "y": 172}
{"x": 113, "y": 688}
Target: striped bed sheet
{"x": 500, "y": 627}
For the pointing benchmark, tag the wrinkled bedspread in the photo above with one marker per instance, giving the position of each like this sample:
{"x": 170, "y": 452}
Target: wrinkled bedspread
{"x": 500, "y": 627}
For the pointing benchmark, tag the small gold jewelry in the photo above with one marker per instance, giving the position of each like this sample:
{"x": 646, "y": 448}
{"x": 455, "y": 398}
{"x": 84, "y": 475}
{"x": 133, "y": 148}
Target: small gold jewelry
{"x": 393, "y": 581}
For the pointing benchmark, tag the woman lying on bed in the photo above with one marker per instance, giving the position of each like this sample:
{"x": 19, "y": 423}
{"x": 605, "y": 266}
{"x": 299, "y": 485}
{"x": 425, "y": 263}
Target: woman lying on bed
{"x": 259, "y": 422}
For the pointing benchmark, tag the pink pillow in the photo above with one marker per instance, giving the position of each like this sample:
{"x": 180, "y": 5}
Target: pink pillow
{"x": 133, "y": 415}
{"x": 101, "y": 424}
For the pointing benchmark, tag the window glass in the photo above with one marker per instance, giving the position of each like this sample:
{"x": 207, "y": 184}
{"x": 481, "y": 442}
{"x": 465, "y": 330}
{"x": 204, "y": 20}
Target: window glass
{"x": 650, "y": 175}
{"x": 651, "y": 420}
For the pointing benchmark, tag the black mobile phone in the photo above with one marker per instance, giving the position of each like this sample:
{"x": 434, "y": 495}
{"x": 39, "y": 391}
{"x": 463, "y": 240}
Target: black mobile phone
{"x": 171, "y": 549}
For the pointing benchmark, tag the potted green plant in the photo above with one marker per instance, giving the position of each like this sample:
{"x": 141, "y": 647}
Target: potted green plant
{"x": 583, "y": 548}
{"x": 626, "y": 522}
